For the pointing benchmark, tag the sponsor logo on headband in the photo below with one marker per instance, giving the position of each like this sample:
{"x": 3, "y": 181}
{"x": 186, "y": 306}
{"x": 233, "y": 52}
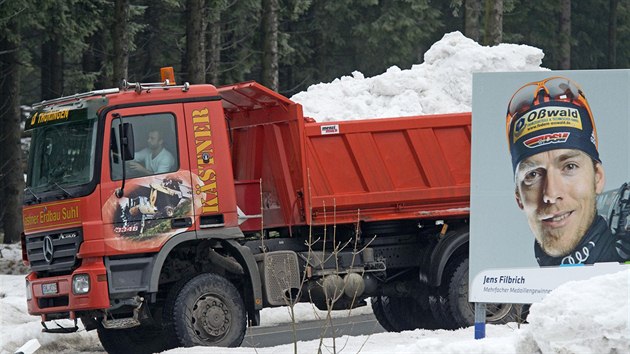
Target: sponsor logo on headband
{"x": 546, "y": 139}
{"x": 545, "y": 118}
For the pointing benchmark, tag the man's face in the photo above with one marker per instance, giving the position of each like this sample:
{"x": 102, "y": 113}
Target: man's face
{"x": 154, "y": 141}
{"x": 557, "y": 190}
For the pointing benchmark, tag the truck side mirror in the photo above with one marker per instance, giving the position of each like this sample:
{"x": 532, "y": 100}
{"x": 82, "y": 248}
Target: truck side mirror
{"x": 127, "y": 141}
{"x": 127, "y": 150}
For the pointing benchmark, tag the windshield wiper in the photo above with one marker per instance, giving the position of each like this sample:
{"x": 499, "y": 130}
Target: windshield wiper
{"x": 36, "y": 198}
{"x": 66, "y": 193}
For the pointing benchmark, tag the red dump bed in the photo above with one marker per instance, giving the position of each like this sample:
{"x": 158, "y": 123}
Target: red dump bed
{"x": 336, "y": 172}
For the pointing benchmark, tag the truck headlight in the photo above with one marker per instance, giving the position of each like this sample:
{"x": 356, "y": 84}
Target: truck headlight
{"x": 29, "y": 291}
{"x": 80, "y": 284}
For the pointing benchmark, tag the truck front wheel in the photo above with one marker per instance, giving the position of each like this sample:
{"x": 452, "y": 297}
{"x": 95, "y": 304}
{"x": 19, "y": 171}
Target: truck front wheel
{"x": 209, "y": 311}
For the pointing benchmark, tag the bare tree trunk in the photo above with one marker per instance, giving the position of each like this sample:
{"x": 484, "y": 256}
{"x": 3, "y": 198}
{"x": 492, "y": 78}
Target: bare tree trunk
{"x": 270, "y": 46}
{"x": 214, "y": 42}
{"x": 565, "y": 35}
{"x": 52, "y": 68}
{"x": 94, "y": 61}
{"x": 11, "y": 170}
{"x": 196, "y": 24}
{"x": 155, "y": 16}
{"x": 120, "y": 38}
{"x": 612, "y": 34}
{"x": 494, "y": 22}
{"x": 471, "y": 20}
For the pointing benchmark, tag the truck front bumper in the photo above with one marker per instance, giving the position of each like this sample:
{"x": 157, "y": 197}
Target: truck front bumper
{"x": 56, "y": 297}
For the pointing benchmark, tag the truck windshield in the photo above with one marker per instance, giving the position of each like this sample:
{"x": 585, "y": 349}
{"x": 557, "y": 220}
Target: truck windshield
{"x": 62, "y": 156}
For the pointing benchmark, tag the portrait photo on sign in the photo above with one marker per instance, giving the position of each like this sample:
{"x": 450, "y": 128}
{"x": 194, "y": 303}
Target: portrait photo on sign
{"x": 550, "y": 180}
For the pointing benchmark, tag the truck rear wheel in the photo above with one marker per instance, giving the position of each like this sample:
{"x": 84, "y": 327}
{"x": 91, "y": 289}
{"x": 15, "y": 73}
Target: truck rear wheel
{"x": 380, "y": 313}
{"x": 451, "y": 304}
{"x": 209, "y": 311}
{"x": 397, "y": 314}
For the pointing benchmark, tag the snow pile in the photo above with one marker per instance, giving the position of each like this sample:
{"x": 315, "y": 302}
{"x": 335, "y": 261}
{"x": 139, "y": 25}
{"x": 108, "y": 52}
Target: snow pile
{"x": 442, "y": 84}
{"x": 581, "y": 317}
{"x": 11, "y": 259}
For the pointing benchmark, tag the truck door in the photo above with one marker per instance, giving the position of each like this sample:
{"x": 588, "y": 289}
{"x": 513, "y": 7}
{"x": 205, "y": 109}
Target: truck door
{"x": 156, "y": 201}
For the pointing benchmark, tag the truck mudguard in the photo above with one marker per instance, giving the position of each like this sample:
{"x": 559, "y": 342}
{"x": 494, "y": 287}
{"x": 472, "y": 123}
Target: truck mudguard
{"x": 442, "y": 253}
{"x": 245, "y": 256}
{"x": 163, "y": 254}
{"x": 226, "y": 235}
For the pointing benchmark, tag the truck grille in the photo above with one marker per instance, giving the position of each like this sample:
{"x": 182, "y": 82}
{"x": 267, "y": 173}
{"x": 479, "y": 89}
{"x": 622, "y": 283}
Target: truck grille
{"x": 53, "y": 252}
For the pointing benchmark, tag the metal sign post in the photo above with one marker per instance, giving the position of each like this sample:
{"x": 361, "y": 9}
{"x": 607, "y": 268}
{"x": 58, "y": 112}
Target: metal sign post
{"x": 480, "y": 320}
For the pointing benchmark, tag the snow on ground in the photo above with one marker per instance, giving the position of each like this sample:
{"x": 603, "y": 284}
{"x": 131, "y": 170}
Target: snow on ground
{"x": 578, "y": 317}
{"x": 11, "y": 260}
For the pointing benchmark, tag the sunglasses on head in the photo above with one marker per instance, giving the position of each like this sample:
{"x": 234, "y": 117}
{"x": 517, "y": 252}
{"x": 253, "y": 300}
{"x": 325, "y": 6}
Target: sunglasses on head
{"x": 555, "y": 88}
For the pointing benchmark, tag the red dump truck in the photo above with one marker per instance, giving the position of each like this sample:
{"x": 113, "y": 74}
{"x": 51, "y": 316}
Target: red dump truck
{"x": 167, "y": 215}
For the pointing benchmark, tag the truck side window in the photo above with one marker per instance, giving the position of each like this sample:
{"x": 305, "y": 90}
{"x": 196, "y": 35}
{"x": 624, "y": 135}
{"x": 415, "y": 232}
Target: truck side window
{"x": 155, "y": 142}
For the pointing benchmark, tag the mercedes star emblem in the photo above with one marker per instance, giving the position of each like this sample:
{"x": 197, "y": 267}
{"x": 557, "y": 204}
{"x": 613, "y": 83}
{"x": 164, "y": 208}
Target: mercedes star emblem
{"x": 48, "y": 249}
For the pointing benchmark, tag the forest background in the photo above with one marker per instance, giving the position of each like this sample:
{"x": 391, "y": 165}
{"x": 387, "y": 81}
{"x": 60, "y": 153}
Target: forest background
{"x": 52, "y": 48}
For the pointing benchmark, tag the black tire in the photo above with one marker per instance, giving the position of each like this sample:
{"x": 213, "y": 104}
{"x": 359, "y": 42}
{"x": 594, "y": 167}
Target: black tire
{"x": 209, "y": 311}
{"x": 379, "y": 312}
{"x": 169, "y": 211}
{"x": 418, "y": 308}
{"x": 167, "y": 311}
{"x": 141, "y": 340}
{"x": 440, "y": 300}
{"x": 396, "y": 314}
{"x": 451, "y": 306}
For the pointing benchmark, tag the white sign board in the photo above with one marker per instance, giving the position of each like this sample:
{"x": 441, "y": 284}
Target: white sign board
{"x": 514, "y": 215}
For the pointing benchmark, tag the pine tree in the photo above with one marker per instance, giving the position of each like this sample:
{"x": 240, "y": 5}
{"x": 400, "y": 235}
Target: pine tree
{"x": 493, "y": 29}
{"x": 120, "y": 40}
{"x": 11, "y": 176}
{"x": 196, "y": 23}
{"x": 565, "y": 35}
{"x": 472, "y": 14}
{"x": 270, "y": 9}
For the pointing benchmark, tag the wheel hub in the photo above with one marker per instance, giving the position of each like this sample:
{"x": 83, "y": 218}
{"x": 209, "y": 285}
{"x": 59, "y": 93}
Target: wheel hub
{"x": 494, "y": 312}
{"x": 210, "y": 317}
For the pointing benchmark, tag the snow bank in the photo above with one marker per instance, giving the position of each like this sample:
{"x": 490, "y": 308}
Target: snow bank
{"x": 11, "y": 259}
{"x": 581, "y": 317}
{"x": 442, "y": 84}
